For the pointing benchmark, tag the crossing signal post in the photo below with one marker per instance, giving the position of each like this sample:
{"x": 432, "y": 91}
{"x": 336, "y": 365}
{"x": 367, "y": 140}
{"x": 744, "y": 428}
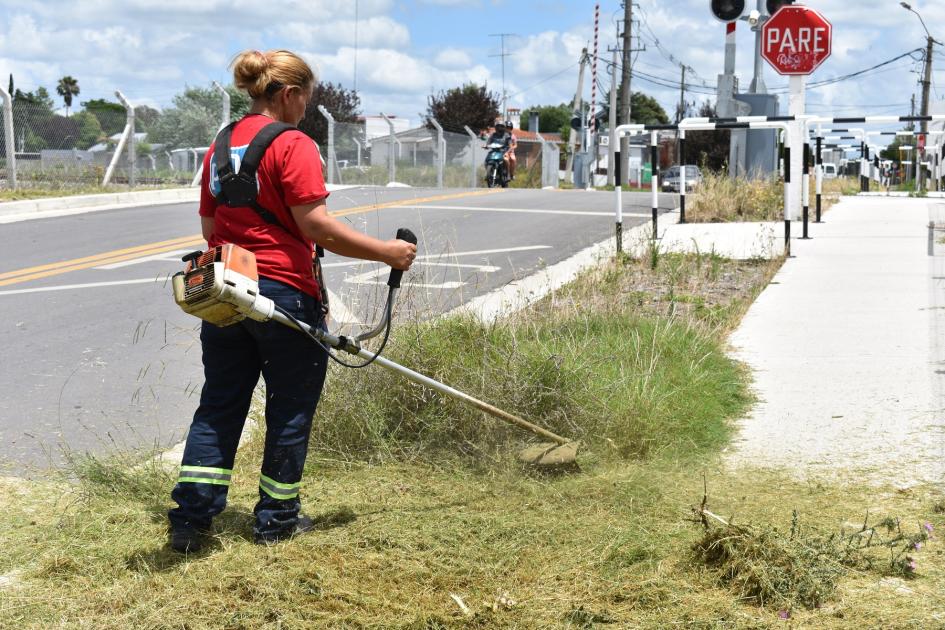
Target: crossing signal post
{"x": 728, "y": 10}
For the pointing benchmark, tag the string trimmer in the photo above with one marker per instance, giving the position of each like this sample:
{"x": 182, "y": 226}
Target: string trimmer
{"x": 221, "y": 286}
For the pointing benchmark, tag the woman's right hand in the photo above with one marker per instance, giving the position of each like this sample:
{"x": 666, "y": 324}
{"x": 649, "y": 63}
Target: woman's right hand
{"x": 400, "y": 254}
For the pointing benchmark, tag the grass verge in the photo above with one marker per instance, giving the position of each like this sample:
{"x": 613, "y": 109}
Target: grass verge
{"x": 24, "y": 193}
{"x": 427, "y": 522}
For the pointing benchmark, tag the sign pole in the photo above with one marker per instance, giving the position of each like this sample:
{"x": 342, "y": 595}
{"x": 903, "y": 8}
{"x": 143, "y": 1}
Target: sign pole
{"x": 797, "y": 108}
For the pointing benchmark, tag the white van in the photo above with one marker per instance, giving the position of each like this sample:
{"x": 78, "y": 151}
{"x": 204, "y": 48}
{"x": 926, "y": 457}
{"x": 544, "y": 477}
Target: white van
{"x": 830, "y": 170}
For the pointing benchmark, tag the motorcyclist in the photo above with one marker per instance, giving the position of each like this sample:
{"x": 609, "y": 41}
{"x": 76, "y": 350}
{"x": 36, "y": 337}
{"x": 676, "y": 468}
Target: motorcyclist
{"x": 503, "y": 136}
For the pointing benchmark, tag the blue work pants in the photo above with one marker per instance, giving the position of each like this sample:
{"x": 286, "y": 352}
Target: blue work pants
{"x": 293, "y": 368}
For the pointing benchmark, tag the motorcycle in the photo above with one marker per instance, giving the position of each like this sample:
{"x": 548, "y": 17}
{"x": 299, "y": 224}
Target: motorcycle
{"x": 497, "y": 171}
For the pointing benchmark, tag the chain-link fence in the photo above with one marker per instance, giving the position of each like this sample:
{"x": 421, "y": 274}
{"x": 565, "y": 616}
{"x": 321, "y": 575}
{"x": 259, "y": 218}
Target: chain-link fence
{"x": 120, "y": 143}
{"x": 108, "y": 143}
{"x": 428, "y": 157}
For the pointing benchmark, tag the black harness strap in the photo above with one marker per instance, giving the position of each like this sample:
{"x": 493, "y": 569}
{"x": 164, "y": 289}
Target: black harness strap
{"x": 239, "y": 189}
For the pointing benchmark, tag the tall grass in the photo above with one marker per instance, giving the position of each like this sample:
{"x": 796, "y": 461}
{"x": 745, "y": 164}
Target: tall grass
{"x": 721, "y": 198}
{"x": 597, "y": 362}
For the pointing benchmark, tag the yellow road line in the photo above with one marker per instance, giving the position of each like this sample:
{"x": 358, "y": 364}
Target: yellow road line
{"x": 24, "y": 275}
{"x": 129, "y": 253}
{"x": 96, "y": 257}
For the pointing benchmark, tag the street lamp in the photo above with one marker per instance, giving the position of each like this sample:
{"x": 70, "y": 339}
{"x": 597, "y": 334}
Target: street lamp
{"x": 908, "y": 7}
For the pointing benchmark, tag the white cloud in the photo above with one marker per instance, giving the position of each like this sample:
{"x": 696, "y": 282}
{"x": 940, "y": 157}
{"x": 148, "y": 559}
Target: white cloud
{"x": 373, "y": 32}
{"x": 396, "y": 72}
{"x": 453, "y": 58}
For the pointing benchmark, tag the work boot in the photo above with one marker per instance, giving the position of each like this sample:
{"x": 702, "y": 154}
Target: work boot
{"x": 186, "y": 540}
{"x": 304, "y": 524}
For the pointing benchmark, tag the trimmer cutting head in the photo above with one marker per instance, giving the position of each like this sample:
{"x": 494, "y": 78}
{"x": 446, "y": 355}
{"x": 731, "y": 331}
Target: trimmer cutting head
{"x": 550, "y": 454}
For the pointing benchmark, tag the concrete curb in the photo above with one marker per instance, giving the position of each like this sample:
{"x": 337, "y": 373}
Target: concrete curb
{"x": 13, "y": 211}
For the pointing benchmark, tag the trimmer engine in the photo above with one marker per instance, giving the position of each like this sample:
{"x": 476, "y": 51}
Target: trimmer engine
{"x": 221, "y": 286}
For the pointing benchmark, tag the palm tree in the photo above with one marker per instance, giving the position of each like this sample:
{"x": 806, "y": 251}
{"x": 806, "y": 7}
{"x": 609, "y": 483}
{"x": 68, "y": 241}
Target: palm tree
{"x": 67, "y": 88}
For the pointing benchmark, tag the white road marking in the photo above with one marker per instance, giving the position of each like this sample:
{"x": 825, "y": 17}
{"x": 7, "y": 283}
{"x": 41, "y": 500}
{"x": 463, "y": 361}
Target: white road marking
{"x": 173, "y": 256}
{"x": 88, "y": 285}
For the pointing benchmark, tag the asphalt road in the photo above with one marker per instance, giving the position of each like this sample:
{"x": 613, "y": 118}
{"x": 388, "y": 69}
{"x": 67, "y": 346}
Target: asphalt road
{"x": 97, "y": 356}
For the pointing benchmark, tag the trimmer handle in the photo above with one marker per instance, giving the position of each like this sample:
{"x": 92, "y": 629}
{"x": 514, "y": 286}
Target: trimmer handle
{"x": 396, "y": 274}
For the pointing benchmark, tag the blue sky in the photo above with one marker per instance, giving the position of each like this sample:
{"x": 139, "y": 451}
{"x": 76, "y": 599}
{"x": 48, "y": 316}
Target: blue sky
{"x": 151, "y": 50}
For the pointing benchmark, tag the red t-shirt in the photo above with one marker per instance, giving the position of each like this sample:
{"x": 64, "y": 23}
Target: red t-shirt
{"x": 289, "y": 174}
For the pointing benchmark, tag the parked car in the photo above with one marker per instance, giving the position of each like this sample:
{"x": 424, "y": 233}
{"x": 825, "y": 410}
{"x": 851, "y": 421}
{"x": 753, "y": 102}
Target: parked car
{"x": 670, "y": 178}
{"x": 830, "y": 170}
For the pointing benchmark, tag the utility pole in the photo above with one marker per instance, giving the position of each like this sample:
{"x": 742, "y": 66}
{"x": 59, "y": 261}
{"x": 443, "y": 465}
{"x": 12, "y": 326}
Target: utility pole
{"x": 574, "y": 139}
{"x": 926, "y": 85}
{"x": 503, "y": 55}
{"x": 626, "y": 75}
{"x": 612, "y": 121}
{"x": 680, "y": 112}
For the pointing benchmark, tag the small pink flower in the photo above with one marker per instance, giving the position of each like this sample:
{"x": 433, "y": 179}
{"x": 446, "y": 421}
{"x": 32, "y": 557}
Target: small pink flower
{"x": 917, "y": 546}
{"x": 784, "y": 614}
{"x": 928, "y": 527}
{"x": 911, "y": 565}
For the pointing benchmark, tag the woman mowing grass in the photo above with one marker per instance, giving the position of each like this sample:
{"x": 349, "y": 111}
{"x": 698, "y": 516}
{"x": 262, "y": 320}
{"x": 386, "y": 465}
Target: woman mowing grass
{"x": 289, "y": 216}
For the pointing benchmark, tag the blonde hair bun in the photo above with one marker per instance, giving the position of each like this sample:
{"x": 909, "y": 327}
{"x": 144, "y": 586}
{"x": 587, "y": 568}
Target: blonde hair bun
{"x": 254, "y": 71}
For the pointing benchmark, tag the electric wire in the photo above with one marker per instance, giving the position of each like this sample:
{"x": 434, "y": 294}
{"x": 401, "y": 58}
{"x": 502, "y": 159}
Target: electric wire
{"x": 545, "y": 80}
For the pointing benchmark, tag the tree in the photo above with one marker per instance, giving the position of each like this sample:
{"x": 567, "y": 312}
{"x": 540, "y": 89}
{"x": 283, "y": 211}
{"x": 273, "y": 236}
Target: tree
{"x": 89, "y": 130}
{"x": 344, "y": 105}
{"x": 67, "y": 88}
{"x": 551, "y": 118}
{"x": 195, "y": 117}
{"x": 645, "y": 110}
{"x": 145, "y": 117}
{"x": 470, "y": 105}
{"x": 708, "y": 148}
{"x": 31, "y": 112}
{"x": 111, "y": 116}
{"x": 59, "y": 132}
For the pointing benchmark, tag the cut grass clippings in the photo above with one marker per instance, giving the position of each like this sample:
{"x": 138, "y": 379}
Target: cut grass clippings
{"x": 426, "y": 521}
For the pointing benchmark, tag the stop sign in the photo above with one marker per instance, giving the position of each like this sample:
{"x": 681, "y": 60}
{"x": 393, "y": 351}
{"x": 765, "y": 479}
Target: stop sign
{"x": 795, "y": 40}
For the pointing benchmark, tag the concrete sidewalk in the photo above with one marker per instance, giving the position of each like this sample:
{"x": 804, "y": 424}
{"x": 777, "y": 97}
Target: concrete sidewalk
{"x": 847, "y": 351}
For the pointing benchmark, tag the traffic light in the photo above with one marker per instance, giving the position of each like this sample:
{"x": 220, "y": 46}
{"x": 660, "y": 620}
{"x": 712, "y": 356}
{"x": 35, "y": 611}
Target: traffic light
{"x": 728, "y": 10}
{"x": 774, "y": 5}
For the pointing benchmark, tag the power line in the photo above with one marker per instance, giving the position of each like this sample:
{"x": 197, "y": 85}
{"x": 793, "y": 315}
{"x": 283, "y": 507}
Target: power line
{"x": 668, "y": 54}
{"x": 546, "y": 79}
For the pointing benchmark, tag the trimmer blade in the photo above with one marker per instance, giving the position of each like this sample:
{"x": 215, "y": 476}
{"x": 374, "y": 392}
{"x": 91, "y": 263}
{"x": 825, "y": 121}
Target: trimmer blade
{"x": 550, "y": 454}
